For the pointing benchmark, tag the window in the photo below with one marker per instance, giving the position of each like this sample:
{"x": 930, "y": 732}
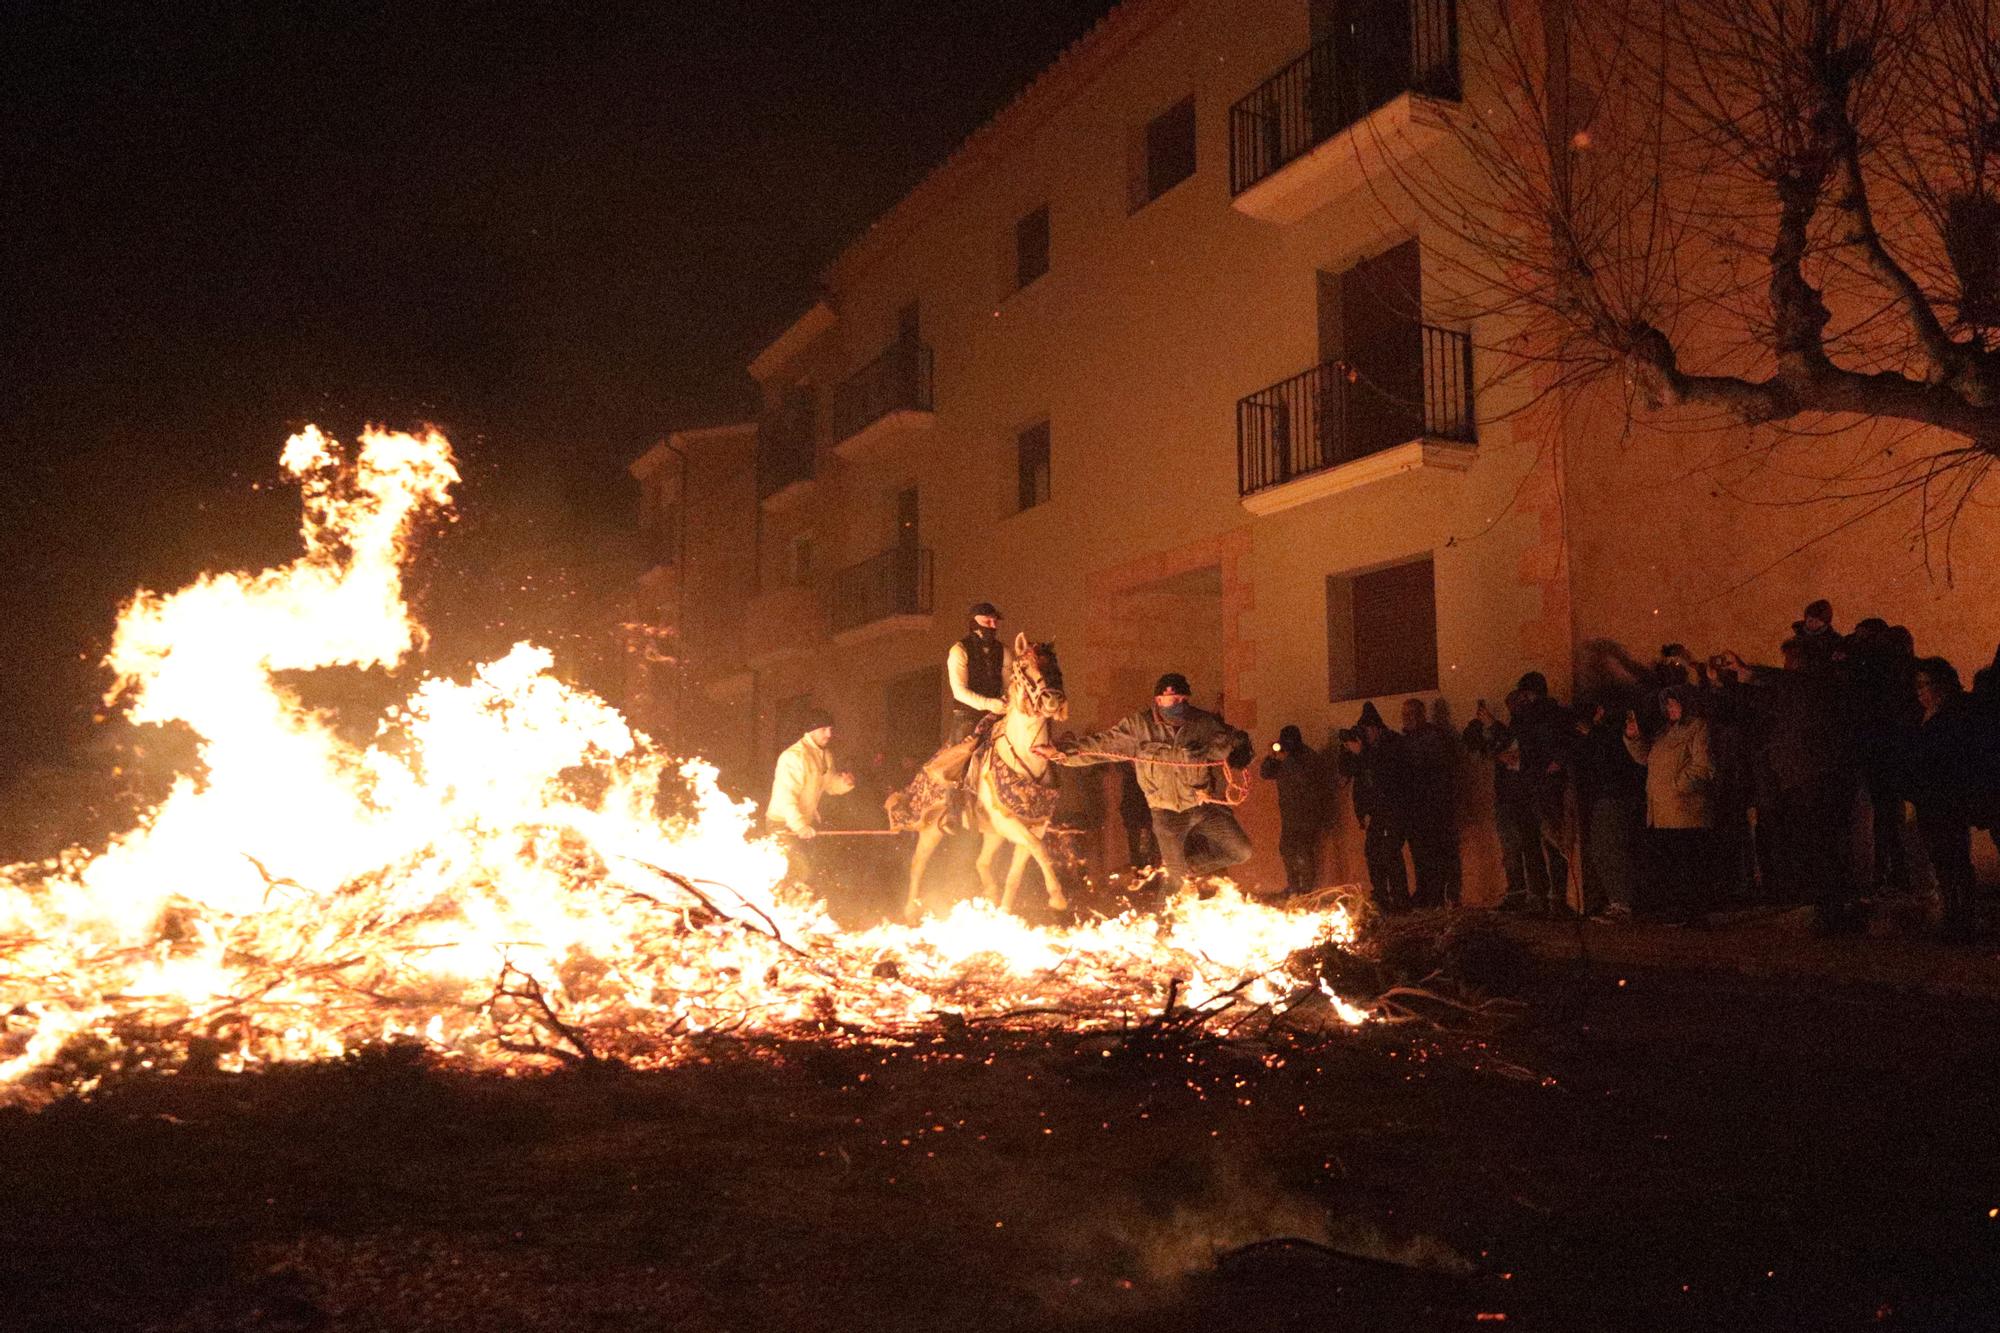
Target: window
{"x": 799, "y": 562}
{"x": 1032, "y": 467}
{"x": 1167, "y": 153}
{"x": 1381, "y": 631}
{"x": 1031, "y": 247}
{"x": 913, "y": 704}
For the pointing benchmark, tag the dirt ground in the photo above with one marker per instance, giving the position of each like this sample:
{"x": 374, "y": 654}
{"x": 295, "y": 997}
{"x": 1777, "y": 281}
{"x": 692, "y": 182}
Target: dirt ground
{"x": 1650, "y": 1144}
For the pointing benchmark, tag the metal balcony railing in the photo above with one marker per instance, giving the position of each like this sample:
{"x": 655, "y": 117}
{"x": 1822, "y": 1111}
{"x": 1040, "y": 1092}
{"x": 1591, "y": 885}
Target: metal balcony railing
{"x": 1389, "y": 49}
{"x": 897, "y": 380}
{"x": 1332, "y": 414}
{"x": 894, "y": 583}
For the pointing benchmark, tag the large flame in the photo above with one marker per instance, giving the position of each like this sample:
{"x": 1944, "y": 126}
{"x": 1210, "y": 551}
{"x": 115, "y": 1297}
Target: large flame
{"x": 489, "y": 876}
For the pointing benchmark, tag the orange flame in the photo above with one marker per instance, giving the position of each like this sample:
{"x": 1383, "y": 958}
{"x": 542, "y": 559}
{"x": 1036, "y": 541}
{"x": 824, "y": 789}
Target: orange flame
{"x": 489, "y": 875}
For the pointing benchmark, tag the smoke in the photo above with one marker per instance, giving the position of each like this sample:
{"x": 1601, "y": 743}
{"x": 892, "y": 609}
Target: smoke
{"x": 1191, "y": 1214}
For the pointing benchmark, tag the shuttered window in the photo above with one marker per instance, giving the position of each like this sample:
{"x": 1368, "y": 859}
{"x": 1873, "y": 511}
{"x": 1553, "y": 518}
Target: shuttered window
{"x": 1165, "y": 155}
{"x": 1382, "y": 631}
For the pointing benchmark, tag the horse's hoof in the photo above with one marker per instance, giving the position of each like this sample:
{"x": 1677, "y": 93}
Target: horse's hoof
{"x": 913, "y": 911}
{"x": 1058, "y": 903}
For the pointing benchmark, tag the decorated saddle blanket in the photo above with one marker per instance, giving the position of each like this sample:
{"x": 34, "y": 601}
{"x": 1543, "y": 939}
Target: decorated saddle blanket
{"x": 947, "y": 786}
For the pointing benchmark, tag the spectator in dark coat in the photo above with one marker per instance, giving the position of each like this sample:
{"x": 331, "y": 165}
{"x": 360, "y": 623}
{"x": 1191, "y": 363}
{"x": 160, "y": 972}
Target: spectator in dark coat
{"x": 1433, "y": 813}
{"x": 1945, "y": 783}
{"x": 1301, "y": 777}
{"x": 1611, "y": 799}
{"x": 1986, "y": 687}
{"x": 1377, "y": 761}
{"x": 1814, "y": 632}
{"x": 1881, "y": 674}
{"x": 1724, "y": 702}
{"x": 1810, "y": 781}
{"x": 1531, "y": 762}
{"x": 1985, "y": 704}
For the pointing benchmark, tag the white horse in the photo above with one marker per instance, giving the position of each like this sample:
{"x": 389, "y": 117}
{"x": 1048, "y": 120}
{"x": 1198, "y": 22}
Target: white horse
{"x": 1015, "y": 792}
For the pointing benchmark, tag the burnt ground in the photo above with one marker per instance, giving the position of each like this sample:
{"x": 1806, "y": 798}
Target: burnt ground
{"x": 1650, "y": 1144}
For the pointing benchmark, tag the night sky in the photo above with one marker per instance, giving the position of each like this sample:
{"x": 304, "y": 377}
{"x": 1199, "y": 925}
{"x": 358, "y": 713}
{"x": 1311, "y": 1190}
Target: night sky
{"x": 555, "y": 230}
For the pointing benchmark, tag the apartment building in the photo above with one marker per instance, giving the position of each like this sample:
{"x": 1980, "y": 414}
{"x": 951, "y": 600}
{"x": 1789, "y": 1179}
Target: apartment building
{"x": 1159, "y": 363}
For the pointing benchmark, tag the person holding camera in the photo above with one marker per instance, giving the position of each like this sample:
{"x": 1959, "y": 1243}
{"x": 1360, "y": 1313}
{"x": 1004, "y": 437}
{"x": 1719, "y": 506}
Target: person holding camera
{"x": 1680, "y": 809}
{"x": 1296, "y": 768}
{"x": 1432, "y": 748}
{"x": 1531, "y": 765}
{"x": 1379, "y": 764}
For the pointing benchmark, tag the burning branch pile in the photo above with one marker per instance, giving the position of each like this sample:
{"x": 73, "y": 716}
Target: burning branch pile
{"x": 488, "y": 875}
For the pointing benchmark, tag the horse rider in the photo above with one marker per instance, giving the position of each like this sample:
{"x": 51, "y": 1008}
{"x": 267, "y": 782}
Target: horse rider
{"x": 977, "y": 667}
{"x": 804, "y": 774}
{"x": 1178, "y": 751}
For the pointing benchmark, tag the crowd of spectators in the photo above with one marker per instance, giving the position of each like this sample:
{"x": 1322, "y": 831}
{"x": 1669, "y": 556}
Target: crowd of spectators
{"x": 1851, "y": 771}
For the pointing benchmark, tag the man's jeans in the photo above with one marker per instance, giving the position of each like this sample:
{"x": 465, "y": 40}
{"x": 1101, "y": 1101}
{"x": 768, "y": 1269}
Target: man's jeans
{"x": 1225, "y": 844}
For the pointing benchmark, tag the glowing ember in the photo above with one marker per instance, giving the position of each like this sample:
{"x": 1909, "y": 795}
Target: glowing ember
{"x": 489, "y": 876}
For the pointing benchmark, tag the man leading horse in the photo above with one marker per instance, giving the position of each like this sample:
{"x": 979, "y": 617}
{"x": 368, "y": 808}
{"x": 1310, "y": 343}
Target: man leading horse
{"x": 1181, "y": 753}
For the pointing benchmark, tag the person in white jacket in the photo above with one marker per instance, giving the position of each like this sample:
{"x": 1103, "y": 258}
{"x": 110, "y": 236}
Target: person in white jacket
{"x": 804, "y": 774}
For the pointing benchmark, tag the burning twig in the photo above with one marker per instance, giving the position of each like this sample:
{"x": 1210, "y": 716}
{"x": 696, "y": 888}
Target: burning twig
{"x": 529, "y": 993}
{"x": 272, "y": 881}
{"x": 686, "y": 885}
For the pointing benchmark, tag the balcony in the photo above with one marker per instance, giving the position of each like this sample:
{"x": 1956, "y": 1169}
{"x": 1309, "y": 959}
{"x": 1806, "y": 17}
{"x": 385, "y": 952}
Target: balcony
{"x": 1293, "y": 141}
{"x": 882, "y": 594}
{"x": 783, "y": 622}
{"x": 888, "y": 398}
{"x": 1332, "y": 428}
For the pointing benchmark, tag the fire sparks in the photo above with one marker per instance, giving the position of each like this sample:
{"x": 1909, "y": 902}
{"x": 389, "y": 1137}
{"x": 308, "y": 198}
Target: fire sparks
{"x": 489, "y": 875}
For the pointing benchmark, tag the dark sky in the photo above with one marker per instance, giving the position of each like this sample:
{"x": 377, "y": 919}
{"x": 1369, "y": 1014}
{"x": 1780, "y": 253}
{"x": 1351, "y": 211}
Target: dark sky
{"x": 554, "y": 229}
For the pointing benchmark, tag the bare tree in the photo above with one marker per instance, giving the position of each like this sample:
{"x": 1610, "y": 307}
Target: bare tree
{"x": 1786, "y": 212}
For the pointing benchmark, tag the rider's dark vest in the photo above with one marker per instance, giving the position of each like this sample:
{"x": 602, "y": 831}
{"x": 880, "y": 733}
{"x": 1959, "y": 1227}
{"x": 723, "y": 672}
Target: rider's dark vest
{"x": 984, "y": 659}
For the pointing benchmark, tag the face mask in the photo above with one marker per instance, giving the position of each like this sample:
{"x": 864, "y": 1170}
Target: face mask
{"x": 1175, "y": 711}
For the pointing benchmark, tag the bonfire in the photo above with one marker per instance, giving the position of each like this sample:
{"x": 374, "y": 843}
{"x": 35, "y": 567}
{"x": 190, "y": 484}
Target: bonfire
{"x": 489, "y": 876}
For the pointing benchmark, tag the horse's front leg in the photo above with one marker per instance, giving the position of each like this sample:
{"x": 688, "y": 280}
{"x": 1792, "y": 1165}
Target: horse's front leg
{"x": 1039, "y": 849}
{"x": 928, "y": 838}
{"x": 1015, "y": 871}
{"x": 989, "y": 845}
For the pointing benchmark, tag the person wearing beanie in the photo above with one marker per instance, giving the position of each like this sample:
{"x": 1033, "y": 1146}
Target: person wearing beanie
{"x": 977, "y": 668}
{"x": 1178, "y": 751}
{"x": 1377, "y": 761}
{"x": 1301, "y": 778}
{"x": 804, "y": 774}
{"x": 1532, "y": 759}
{"x": 1815, "y": 633}
{"x": 1433, "y": 814}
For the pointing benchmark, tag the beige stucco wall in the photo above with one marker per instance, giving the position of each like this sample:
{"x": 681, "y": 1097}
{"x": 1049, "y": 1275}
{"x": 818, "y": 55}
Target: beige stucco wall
{"x": 1136, "y": 347}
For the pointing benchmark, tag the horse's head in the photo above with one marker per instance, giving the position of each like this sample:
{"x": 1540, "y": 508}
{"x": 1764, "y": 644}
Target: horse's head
{"x": 1037, "y": 686}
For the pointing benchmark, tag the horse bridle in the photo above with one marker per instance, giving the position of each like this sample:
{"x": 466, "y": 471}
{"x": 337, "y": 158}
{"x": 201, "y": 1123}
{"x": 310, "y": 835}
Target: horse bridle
{"x": 1035, "y": 689}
